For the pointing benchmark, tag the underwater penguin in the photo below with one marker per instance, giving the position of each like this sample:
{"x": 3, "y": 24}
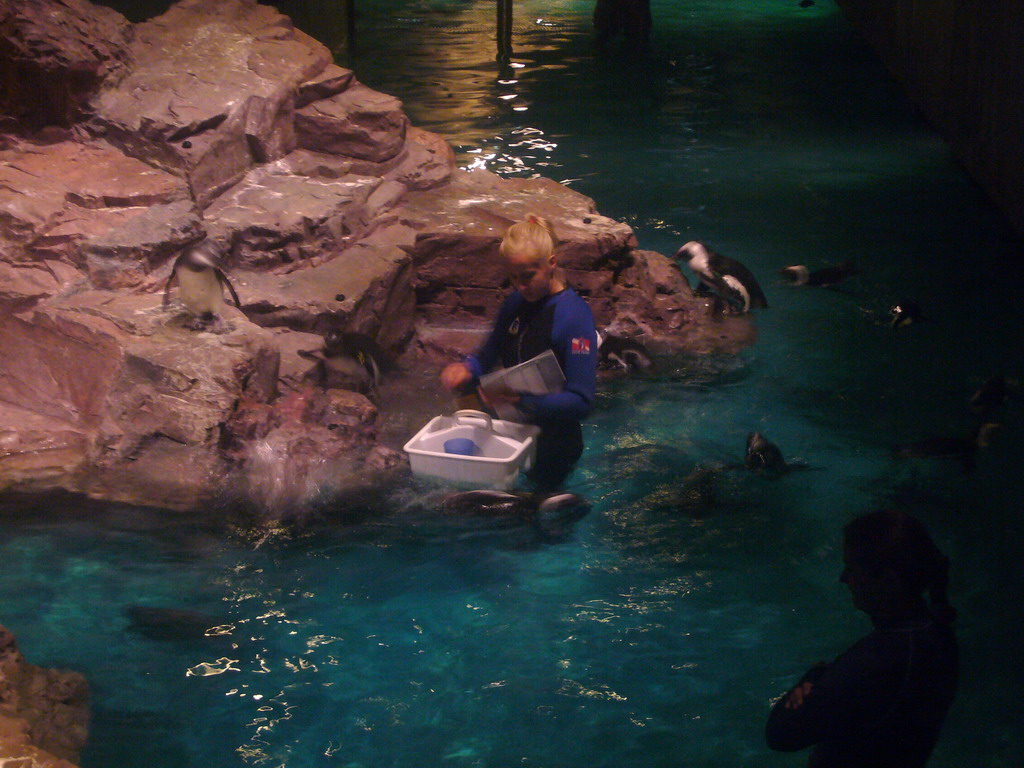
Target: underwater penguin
{"x": 542, "y": 509}
{"x": 963, "y": 449}
{"x": 798, "y": 274}
{"x": 990, "y": 396}
{"x": 347, "y": 361}
{"x": 615, "y": 352}
{"x": 695, "y": 496}
{"x": 201, "y": 284}
{"x": 725, "y": 277}
{"x": 171, "y": 623}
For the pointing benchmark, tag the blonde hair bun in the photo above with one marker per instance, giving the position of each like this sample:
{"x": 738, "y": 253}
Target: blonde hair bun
{"x": 533, "y": 237}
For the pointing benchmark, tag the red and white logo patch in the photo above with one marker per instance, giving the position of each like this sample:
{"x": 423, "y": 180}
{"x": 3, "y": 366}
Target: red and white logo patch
{"x": 581, "y": 346}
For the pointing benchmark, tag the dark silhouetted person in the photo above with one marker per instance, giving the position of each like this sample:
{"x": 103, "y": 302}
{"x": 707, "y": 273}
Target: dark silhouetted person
{"x": 880, "y": 704}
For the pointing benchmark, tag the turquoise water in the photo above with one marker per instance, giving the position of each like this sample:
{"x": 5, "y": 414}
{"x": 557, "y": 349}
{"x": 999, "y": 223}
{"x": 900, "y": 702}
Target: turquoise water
{"x": 643, "y": 635}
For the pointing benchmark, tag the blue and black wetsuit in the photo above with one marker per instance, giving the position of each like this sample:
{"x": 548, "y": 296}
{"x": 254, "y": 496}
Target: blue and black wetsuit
{"x": 880, "y": 704}
{"x": 563, "y": 323}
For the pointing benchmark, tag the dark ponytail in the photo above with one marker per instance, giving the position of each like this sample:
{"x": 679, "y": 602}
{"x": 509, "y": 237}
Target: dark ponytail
{"x": 898, "y": 542}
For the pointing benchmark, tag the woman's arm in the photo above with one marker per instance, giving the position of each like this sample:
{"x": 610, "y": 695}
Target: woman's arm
{"x": 832, "y": 701}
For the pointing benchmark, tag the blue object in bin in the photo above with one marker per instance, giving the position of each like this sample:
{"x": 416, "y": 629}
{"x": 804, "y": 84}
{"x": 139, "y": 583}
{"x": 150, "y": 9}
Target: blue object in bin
{"x": 462, "y": 446}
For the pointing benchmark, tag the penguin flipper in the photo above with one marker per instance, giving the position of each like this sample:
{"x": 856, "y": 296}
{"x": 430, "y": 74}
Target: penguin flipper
{"x": 167, "y": 288}
{"x": 315, "y": 355}
{"x": 224, "y": 281}
{"x": 374, "y": 370}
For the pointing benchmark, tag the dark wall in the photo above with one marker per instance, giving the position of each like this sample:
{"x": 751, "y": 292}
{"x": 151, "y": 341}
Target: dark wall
{"x": 960, "y": 62}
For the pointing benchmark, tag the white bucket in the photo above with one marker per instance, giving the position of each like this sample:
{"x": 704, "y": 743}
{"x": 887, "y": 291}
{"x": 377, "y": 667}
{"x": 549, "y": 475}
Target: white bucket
{"x": 503, "y": 448}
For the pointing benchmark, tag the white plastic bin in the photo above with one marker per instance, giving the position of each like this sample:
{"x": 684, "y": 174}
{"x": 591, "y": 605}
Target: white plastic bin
{"x": 504, "y": 448}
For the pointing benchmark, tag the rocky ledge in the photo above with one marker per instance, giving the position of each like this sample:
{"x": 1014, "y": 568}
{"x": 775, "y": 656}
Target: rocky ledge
{"x": 122, "y": 143}
{"x": 43, "y": 712}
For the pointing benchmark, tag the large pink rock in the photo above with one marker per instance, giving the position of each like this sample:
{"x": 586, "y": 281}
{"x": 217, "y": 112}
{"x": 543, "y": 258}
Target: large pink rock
{"x": 211, "y": 90}
{"x": 116, "y": 377}
{"x": 458, "y": 272}
{"x": 54, "y": 54}
{"x": 359, "y": 122}
{"x": 271, "y": 209}
{"x": 68, "y": 208}
{"x": 44, "y": 713}
{"x": 366, "y": 289}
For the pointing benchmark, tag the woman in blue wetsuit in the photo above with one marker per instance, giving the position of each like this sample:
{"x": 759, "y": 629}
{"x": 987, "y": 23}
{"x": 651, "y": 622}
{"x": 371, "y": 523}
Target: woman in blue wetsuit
{"x": 880, "y": 704}
{"x": 542, "y": 313}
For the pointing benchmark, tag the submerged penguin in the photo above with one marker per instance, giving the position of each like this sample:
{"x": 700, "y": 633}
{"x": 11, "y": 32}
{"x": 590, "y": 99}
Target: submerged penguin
{"x": 618, "y": 352}
{"x": 798, "y": 274}
{"x": 723, "y": 276}
{"x": 764, "y": 457}
{"x": 540, "y": 509}
{"x": 171, "y": 623}
{"x": 347, "y": 361}
{"x": 201, "y": 284}
{"x": 989, "y": 397}
{"x": 695, "y": 496}
{"x": 962, "y": 449}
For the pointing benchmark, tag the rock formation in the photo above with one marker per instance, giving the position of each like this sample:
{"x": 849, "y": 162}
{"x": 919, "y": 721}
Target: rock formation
{"x": 123, "y": 143}
{"x": 43, "y": 712}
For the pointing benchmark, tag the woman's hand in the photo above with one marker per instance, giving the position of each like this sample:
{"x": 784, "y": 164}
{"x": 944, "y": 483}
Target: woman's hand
{"x": 455, "y": 376}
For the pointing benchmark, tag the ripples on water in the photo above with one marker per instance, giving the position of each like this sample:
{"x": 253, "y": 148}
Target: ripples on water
{"x": 657, "y": 630}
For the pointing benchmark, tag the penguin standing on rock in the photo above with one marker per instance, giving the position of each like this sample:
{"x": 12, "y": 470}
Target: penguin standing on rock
{"x": 723, "y": 276}
{"x": 201, "y": 284}
{"x": 347, "y": 361}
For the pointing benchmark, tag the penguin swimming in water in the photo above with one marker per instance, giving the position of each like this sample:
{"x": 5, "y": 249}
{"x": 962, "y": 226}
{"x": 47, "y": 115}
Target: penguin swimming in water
{"x": 725, "y": 277}
{"x": 347, "y": 361}
{"x": 798, "y": 274}
{"x": 201, "y": 284}
{"x": 618, "y": 352}
{"x": 764, "y": 457}
{"x": 963, "y": 449}
{"x": 904, "y": 313}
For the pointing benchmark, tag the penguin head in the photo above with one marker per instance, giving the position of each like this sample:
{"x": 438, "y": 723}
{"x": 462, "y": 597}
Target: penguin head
{"x": 697, "y": 257}
{"x": 904, "y": 313}
{"x": 200, "y": 255}
{"x": 756, "y": 442}
{"x": 797, "y": 274}
{"x": 763, "y": 455}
